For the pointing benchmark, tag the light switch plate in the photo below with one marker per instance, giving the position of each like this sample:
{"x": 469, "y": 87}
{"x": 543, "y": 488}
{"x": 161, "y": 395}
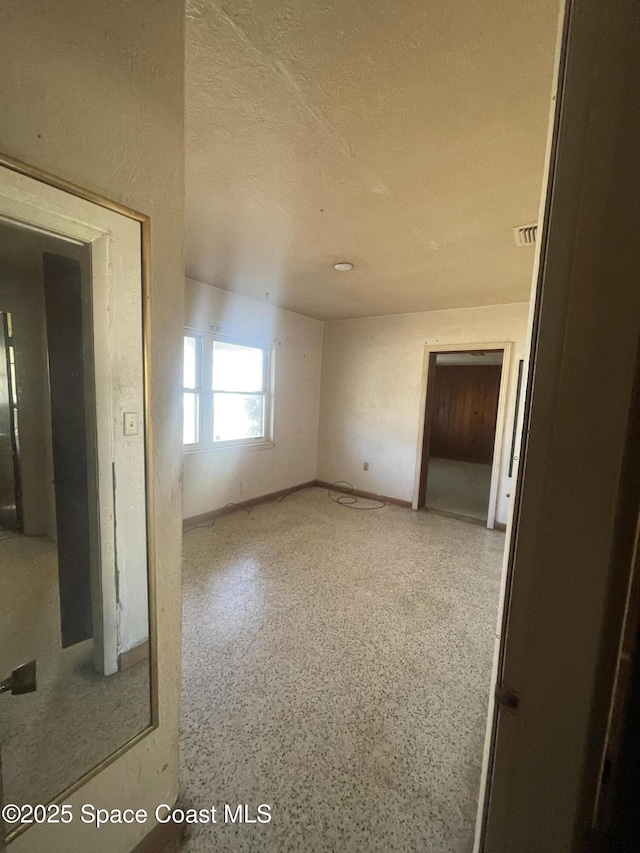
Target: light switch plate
{"x": 131, "y": 423}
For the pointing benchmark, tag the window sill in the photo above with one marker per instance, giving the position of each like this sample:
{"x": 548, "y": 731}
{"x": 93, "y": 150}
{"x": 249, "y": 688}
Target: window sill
{"x": 258, "y": 445}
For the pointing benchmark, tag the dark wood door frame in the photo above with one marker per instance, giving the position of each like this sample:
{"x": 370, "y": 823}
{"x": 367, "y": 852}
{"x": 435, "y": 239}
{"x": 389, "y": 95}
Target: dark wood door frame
{"x": 426, "y": 400}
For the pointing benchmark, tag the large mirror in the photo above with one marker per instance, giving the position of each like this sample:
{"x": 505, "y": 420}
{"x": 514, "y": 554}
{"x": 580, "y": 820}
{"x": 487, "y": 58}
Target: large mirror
{"x": 75, "y": 658}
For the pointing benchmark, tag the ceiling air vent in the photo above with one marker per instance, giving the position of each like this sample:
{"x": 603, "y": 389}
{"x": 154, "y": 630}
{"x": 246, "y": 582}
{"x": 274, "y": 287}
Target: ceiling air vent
{"x": 525, "y": 235}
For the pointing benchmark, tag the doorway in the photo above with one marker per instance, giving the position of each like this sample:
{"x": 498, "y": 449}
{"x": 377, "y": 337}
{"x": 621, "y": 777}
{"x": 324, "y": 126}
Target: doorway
{"x": 459, "y": 452}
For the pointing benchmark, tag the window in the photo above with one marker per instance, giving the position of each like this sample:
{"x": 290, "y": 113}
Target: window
{"x": 192, "y": 390}
{"x": 226, "y": 392}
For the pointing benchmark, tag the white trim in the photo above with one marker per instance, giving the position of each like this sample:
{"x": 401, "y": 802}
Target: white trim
{"x": 506, "y": 347}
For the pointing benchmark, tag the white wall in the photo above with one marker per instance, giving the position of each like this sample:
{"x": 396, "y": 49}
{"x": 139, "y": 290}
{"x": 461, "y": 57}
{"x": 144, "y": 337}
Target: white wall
{"x": 371, "y": 390}
{"x": 98, "y": 99}
{"x": 213, "y": 478}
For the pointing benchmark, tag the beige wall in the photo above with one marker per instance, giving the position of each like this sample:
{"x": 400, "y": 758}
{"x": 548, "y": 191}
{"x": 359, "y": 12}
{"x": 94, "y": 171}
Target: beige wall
{"x": 371, "y": 392}
{"x": 213, "y": 478}
{"x": 96, "y": 97}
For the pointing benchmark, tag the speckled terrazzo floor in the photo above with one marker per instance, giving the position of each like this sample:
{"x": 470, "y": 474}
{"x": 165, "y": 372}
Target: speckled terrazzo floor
{"x": 336, "y": 667}
{"x": 76, "y": 718}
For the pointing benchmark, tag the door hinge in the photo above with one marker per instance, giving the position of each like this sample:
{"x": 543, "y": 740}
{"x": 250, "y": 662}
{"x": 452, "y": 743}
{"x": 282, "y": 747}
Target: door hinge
{"x": 507, "y": 698}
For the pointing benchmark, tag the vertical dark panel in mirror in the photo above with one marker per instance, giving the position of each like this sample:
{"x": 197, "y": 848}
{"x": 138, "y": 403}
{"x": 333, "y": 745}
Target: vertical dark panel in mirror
{"x": 10, "y": 489}
{"x": 63, "y": 310}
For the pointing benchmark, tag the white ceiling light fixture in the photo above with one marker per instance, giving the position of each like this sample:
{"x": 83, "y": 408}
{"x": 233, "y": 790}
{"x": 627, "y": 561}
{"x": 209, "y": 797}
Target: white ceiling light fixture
{"x": 343, "y": 266}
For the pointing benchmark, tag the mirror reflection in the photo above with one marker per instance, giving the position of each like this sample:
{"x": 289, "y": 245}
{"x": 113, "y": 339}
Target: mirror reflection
{"x": 62, "y": 602}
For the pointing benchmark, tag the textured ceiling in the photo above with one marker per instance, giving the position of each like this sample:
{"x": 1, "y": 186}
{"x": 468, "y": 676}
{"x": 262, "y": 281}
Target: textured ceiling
{"x": 405, "y": 137}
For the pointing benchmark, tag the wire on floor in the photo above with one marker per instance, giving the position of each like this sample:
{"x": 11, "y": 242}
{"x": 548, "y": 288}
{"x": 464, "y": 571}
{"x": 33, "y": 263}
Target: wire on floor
{"x": 348, "y": 499}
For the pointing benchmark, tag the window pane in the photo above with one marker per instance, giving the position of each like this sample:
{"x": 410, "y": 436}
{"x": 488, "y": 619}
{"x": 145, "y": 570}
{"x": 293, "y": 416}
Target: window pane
{"x": 190, "y": 362}
{"x": 237, "y": 368}
{"x": 190, "y": 418}
{"x": 237, "y": 416}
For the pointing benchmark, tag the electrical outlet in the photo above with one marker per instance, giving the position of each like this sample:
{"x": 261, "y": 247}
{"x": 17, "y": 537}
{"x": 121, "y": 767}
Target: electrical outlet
{"x": 365, "y": 466}
{"x": 131, "y": 423}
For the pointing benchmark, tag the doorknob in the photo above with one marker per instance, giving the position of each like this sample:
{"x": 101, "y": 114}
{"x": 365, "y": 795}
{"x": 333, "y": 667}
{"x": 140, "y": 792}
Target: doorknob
{"x": 21, "y": 680}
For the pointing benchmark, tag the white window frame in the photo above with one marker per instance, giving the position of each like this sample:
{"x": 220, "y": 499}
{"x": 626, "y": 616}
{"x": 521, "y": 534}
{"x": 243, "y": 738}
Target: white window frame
{"x": 197, "y": 389}
{"x": 204, "y": 389}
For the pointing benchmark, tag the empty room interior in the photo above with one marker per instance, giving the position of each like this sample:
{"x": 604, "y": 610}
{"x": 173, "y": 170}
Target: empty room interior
{"x": 362, "y": 190}
{"x": 318, "y": 477}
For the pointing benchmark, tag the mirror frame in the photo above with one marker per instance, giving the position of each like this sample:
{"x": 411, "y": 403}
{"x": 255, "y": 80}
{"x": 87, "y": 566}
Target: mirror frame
{"x": 145, "y": 243}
